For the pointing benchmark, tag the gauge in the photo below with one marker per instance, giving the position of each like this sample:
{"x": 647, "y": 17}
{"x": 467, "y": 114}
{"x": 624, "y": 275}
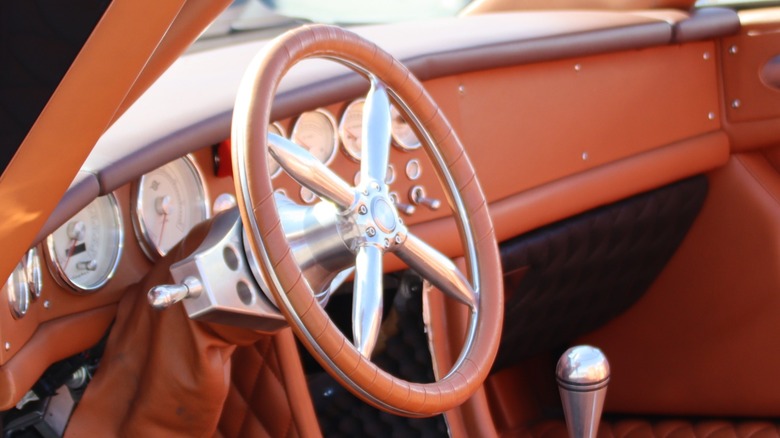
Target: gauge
{"x": 18, "y": 290}
{"x": 390, "y": 174}
{"x": 413, "y": 169}
{"x": 85, "y": 251}
{"x": 351, "y": 129}
{"x": 169, "y": 201}
{"x": 316, "y": 131}
{"x": 274, "y": 168}
{"x": 402, "y": 132}
{"x": 225, "y": 201}
{"x": 307, "y": 195}
{"x": 32, "y": 268}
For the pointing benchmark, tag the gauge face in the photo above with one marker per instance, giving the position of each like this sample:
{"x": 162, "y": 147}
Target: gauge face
{"x": 351, "y": 129}
{"x": 85, "y": 251}
{"x": 170, "y": 200}
{"x": 274, "y": 168}
{"x": 402, "y": 132}
{"x": 316, "y": 131}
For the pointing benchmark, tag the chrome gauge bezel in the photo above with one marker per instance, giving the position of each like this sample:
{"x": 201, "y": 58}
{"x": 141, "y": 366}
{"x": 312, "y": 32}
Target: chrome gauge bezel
{"x": 148, "y": 246}
{"x": 397, "y": 141}
{"x": 59, "y": 274}
{"x": 283, "y": 133}
{"x": 34, "y": 272}
{"x": 348, "y": 151}
{"x": 17, "y": 290}
{"x": 333, "y": 127}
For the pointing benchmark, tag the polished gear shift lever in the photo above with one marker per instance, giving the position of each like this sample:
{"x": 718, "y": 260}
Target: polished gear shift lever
{"x": 583, "y": 374}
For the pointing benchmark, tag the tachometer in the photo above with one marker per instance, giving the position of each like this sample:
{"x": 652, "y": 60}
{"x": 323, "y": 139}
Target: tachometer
{"x": 84, "y": 252}
{"x": 168, "y": 202}
{"x": 351, "y": 129}
{"x": 403, "y": 134}
{"x": 316, "y": 131}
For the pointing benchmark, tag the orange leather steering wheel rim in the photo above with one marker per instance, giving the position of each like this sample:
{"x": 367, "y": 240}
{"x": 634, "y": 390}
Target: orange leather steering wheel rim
{"x": 278, "y": 266}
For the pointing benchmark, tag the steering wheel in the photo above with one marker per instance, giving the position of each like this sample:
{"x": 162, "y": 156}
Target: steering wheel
{"x": 369, "y": 223}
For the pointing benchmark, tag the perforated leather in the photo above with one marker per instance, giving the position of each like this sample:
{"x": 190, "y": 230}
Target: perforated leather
{"x": 660, "y": 429}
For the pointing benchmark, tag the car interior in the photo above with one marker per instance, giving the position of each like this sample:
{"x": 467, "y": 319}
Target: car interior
{"x": 513, "y": 218}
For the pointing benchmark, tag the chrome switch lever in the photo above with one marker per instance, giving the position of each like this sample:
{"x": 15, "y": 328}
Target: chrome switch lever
{"x": 582, "y": 374}
{"x": 406, "y": 209}
{"x": 165, "y": 295}
{"x": 417, "y": 196}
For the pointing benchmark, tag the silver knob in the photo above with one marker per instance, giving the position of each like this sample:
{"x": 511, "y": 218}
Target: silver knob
{"x": 165, "y": 295}
{"x": 406, "y": 209}
{"x": 582, "y": 374}
{"x": 417, "y": 196}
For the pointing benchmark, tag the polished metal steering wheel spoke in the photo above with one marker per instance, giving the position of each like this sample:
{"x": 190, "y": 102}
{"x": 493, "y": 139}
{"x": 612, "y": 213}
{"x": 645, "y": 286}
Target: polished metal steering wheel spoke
{"x": 367, "y": 299}
{"x": 310, "y": 172}
{"x": 376, "y": 134}
{"x": 438, "y": 269}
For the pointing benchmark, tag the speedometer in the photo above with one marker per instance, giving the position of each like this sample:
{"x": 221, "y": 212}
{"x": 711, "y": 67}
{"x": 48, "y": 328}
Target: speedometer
{"x": 316, "y": 131}
{"x": 85, "y": 251}
{"x": 351, "y": 129}
{"x": 168, "y": 202}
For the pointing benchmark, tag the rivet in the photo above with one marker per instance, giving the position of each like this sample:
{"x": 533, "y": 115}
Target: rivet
{"x": 461, "y": 89}
{"x": 706, "y": 55}
{"x": 711, "y": 115}
{"x": 375, "y": 186}
{"x": 736, "y": 103}
{"x": 398, "y": 239}
{"x": 584, "y": 156}
{"x": 46, "y": 304}
{"x": 733, "y": 50}
{"x": 7, "y": 346}
{"x": 362, "y": 209}
{"x": 400, "y": 221}
{"x": 371, "y": 231}
{"x": 577, "y": 67}
{"x": 387, "y": 243}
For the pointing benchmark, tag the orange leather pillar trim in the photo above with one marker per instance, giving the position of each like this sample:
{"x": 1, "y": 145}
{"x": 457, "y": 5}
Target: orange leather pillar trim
{"x": 74, "y": 118}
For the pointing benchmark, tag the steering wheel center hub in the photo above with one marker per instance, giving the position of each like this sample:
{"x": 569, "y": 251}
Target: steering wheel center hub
{"x": 383, "y": 214}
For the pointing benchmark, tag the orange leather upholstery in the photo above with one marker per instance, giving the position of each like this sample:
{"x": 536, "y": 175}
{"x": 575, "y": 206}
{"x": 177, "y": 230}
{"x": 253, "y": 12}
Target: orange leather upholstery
{"x": 660, "y": 429}
{"x": 268, "y": 395}
{"x": 164, "y": 374}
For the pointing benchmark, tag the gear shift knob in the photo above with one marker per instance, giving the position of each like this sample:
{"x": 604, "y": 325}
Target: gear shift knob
{"x": 582, "y": 374}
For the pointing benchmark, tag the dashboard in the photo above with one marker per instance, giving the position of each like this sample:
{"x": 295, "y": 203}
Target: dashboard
{"x": 117, "y": 236}
{"x": 512, "y": 104}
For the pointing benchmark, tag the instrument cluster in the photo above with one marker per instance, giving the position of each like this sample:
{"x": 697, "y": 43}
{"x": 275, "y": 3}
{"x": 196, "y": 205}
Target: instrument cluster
{"x": 323, "y": 134}
{"x": 84, "y": 253}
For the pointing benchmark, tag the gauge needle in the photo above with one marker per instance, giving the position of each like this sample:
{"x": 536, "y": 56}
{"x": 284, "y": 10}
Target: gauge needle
{"x": 69, "y": 253}
{"x": 76, "y": 232}
{"x": 351, "y": 134}
{"x": 163, "y": 206}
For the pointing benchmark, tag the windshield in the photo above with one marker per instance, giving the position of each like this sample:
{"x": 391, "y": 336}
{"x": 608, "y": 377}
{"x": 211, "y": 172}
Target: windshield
{"x": 365, "y": 11}
{"x": 270, "y": 15}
